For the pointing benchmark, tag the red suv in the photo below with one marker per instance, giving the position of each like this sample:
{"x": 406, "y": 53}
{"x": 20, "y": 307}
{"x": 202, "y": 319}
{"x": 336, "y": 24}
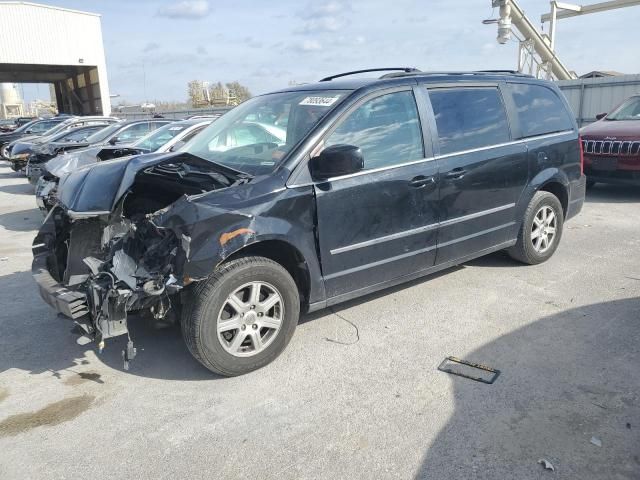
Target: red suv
{"x": 612, "y": 145}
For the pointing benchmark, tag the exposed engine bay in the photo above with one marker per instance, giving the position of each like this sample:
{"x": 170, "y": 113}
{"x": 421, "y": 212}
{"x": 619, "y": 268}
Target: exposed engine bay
{"x": 104, "y": 265}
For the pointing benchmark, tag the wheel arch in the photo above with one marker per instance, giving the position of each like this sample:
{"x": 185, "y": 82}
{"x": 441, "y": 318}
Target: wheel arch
{"x": 552, "y": 180}
{"x": 560, "y": 191}
{"x": 283, "y": 253}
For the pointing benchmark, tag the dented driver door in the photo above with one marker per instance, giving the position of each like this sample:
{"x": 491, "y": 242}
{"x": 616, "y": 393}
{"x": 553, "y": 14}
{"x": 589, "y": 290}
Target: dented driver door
{"x": 381, "y": 223}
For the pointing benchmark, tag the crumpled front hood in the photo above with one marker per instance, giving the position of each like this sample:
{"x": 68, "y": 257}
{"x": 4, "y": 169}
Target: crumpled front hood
{"x": 21, "y": 146}
{"x": 620, "y": 129}
{"x": 69, "y": 162}
{"x": 97, "y": 188}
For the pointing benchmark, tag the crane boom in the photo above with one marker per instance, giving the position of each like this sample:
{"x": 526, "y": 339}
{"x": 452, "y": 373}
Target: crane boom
{"x": 533, "y": 42}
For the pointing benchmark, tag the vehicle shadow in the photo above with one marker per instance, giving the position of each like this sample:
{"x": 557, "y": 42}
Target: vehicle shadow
{"x": 372, "y": 296}
{"x": 34, "y": 339}
{"x": 20, "y": 189}
{"x": 499, "y": 259}
{"x": 22, "y": 220}
{"x": 6, "y": 172}
{"x": 564, "y": 379}
{"x": 602, "y": 193}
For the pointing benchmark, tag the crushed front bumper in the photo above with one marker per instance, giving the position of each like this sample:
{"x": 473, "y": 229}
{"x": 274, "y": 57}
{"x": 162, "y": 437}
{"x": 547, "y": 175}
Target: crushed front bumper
{"x": 46, "y": 194}
{"x": 70, "y": 303}
{"x": 83, "y": 272}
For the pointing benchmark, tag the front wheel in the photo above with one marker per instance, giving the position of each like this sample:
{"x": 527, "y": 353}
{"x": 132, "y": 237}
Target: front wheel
{"x": 541, "y": 230}
{"x": 242, "y": 317}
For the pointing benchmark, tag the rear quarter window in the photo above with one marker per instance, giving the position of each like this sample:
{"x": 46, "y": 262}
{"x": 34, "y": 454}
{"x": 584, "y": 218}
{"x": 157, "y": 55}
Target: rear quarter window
{"x": 540, "y": 110}
{"x": 468, "y": 118}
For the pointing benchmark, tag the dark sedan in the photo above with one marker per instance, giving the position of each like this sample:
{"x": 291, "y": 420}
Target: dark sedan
{"x": 58, "y": 143}
{"x": 18, "y": 151}
{"x": 31, "y": 129}
{"x": 119, "y": 134}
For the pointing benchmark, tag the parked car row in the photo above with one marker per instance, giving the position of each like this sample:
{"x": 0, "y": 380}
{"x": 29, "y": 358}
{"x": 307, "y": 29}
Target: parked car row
{"x": 303, "y": 198}
{"x": 9, "y": 125}
{"x": 164, "y": 136}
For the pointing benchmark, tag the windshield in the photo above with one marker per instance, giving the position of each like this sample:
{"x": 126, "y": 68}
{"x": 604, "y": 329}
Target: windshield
{"x": 159, "y": 137}
{"x": 255, "y": 136}
{"x": 37, "y": 126}
{"x": 103, "y": 134}
{"x": 629, "y": 110}
{"x": 59, "y": 127}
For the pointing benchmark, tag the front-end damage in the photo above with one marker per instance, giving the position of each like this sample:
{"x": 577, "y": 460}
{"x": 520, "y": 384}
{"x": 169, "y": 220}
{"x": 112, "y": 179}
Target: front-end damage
{"x": 97, "y": 266}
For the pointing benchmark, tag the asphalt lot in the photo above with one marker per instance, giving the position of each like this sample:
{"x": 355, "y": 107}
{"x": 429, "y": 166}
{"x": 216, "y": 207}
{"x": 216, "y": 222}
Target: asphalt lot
{"x": 565, "y": 335}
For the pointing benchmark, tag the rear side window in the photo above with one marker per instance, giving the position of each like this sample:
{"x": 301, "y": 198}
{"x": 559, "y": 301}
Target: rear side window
{"x": 469, "y": 118}
{"x": 540, "y": 110}
{"x": 386, "y": 128}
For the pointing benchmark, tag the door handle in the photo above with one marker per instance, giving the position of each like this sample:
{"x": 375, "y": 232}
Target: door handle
{"x": 455, "y": 173}
{"x": 421, "y": 181}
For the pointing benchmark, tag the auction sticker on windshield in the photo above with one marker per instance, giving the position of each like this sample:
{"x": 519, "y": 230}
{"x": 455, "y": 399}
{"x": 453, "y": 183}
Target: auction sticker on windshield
{"x": 321, "y": 101}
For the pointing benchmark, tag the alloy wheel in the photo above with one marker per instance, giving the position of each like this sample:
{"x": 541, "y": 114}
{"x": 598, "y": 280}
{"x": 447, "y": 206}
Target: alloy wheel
{"x": 543, "y": 230}
{"x": 250, "y": 319}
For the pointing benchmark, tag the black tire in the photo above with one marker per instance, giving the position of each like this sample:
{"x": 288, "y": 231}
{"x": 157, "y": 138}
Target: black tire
{"x": 523, "y": 250}
{"x": 590, "y": 184}
{"x": 203, "y": 302}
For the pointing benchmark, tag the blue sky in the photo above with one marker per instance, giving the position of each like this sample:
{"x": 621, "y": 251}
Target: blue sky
{"x": 267, "y": 44}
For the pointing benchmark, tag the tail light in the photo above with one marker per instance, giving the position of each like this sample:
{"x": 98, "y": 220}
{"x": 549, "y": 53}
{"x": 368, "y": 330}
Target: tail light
{"x": 581, "y": 155}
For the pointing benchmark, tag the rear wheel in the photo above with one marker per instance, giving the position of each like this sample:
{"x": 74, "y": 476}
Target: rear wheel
{"x": 541, "y": 230}
{"x": 242, "y": 317}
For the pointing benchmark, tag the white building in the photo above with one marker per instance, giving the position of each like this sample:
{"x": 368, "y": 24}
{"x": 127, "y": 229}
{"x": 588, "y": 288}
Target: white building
{"x": 10, "y": 103}
{"x": 40, "y": 43}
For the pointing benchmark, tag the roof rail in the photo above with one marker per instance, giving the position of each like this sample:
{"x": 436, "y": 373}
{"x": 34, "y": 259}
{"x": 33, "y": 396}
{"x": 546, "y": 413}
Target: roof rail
{"x": 444, "y": 72}
{"x": 366, "y": 70}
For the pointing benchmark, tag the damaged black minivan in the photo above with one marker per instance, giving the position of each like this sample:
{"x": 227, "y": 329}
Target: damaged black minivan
{"x": 304, "y": 198}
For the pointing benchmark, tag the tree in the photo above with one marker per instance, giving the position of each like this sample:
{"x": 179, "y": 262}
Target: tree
{"x": 219, "y": 94}
{"x": 239, "y": 92}
{"x": 195, "y": 91}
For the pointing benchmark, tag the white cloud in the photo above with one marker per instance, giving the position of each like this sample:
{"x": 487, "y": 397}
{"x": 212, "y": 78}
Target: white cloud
{"x": 151, "y": 46}
{"x": 309, "y": 46}
{"x": 185, "y": 9}
{"x": 322, "y": 24}
{"x": 326, "y": 9}
{"x": 327, "y": 17}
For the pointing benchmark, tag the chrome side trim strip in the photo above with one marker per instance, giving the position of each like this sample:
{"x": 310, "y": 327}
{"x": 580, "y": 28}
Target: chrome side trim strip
{"x": 414, "y": 231}
{"x": 378, "y": 263}
{"x": 386, "y": 238}
{"x": 477, "y": 234}
{"x": 471, "y": 216}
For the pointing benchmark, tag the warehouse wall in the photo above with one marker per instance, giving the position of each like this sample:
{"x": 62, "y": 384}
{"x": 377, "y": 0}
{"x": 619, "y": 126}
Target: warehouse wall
{"x": 590, "y": 96}
{"x": 41, "y": 40}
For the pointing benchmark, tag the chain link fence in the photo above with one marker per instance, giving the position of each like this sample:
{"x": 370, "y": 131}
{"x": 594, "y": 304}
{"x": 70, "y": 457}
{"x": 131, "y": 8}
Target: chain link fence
{"x": 174, "y": 114}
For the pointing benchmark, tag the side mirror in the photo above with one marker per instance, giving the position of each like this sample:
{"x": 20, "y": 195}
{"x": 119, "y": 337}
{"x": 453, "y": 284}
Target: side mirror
{"x": 600, "y": 116}
{"x": 177, "y": 146}
{"x": 28, "y": 131}
{"x": 335, "y": 161}
{"x": 113, "y": 141}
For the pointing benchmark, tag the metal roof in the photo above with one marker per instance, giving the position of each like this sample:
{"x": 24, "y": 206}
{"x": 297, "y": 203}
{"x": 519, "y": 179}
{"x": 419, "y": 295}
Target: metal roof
{"x": 32, "y": 4}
